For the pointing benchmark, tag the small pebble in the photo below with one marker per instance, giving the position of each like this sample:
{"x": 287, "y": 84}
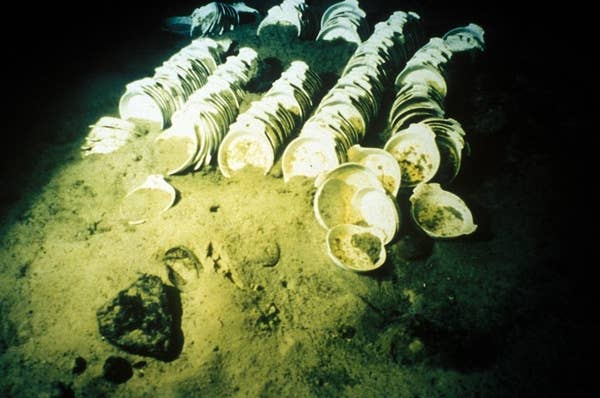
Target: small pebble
{"x": 117, "y": 370}
{"x": 140, "y": 364}
{"x": 79, "y": 366}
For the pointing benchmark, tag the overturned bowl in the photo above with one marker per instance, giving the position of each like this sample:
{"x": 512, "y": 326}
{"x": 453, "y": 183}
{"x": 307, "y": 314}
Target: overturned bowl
{"x": 439, "y": 213}
{"x": 356, "y": 248}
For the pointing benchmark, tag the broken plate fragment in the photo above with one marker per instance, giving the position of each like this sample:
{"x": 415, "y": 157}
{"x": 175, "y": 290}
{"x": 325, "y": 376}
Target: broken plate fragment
{"x": 150, "y": 199}
{"x": 108, "y": 134}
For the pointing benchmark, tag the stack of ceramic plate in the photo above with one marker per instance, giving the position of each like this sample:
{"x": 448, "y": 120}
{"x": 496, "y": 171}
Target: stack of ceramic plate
{"x": 416, "y": 120}
{"x": 414, "y": 103}
{"x": 449, "y": 138}
{"x": 211, "y": 19}
{"x": 465, "y": 38}
{"x": 291, "y": 13}
{"x": 259, "y": 133}
{"x": 392, "y": 41}
{"x": 217, "y": 17}
{"x": 344, "y": 20}
{"x": 427, "y": 65}
{"x": 200, "y": 125}
{"x": 108, "y": 134}
{"x": 153, "y": 100}
{"x": 421, "y": 86}
{"x": 344, "y": 114}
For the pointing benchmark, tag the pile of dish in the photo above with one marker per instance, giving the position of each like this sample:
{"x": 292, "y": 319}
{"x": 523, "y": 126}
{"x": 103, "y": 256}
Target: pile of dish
{"x": 108, "y": 134}
{"x": 360, "y": 217}
{"x": 379, "y": 162}
{"x": 152, "y": 101}
{"x": 421, "y": 86}
{"x": 425, "y": 143}
{"x": 200, "y": 125}
{"x": 344, "y": 20}
{"x": 211, "y": 19}
{"x": 343, "y": 115}
{"x": 259, "y": 133}
{"x": 293, "y": 13}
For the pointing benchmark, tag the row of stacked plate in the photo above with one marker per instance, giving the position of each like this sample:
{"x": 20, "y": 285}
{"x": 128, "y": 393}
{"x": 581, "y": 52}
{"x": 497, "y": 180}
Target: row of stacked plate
{"x": 197, "y": 130}
{"x": 426, "y": 144}
{"x": 152, "y": 101}
{"x": 259, "y": 133}
{"x": 294, "y": 13}
{"x": 356, "y": 186}
{"x": 213, "y": 18}
{"x": 344, "y": 114}
{"x": 200, "y": 125}
{"x": 344, "y": 20}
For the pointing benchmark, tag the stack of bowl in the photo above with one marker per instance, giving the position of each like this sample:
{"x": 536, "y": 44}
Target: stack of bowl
{"x": 425, "y": 143}
{"x": 259, "y": 133}
{"x": 360, "y": 217}
{"x": 344, "y": 114}
{"x": 293, "y": 13}
{"x": 344, "y": 20}
{"x": 201, "y": 124}
{"x": 152, "y": 101}
{"x": 213, "y": 18}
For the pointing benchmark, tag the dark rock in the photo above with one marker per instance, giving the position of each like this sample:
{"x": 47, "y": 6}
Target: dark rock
{"x": 79, "y": 366}
{"x": 144, "y": 319}
{"x": 117, "y": 370}
{"x": 140, "y": 364}
{"x": 61, "y": 390}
